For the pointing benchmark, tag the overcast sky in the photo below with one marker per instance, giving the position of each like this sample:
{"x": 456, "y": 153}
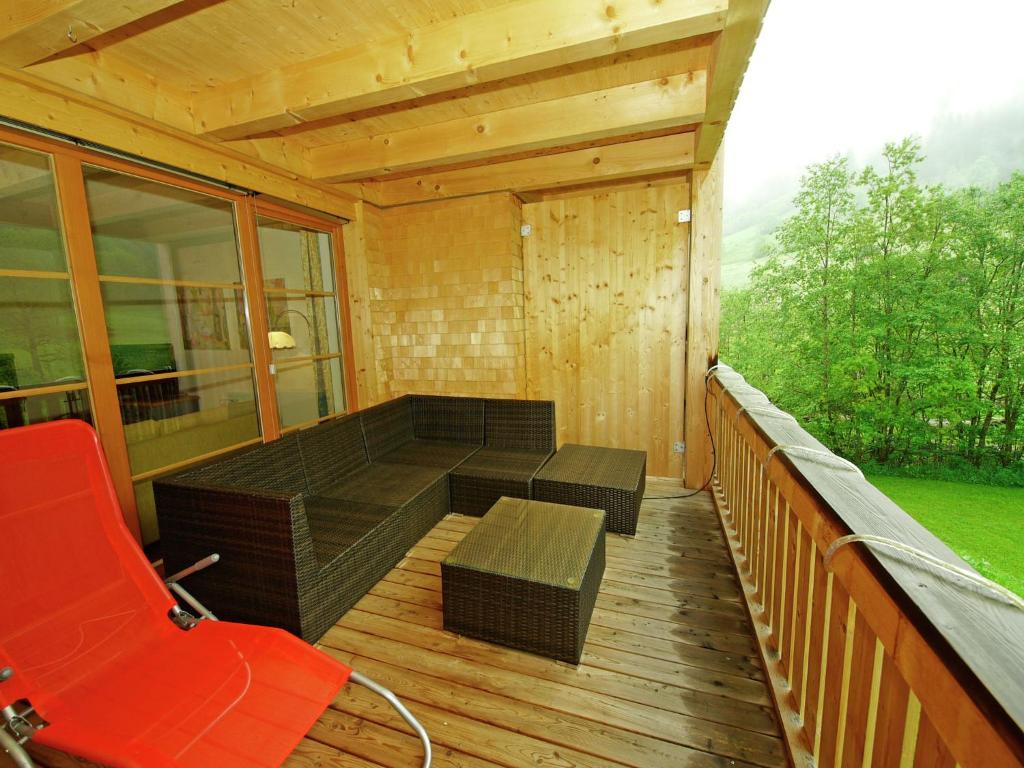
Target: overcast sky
{"x": 843, "y": 76}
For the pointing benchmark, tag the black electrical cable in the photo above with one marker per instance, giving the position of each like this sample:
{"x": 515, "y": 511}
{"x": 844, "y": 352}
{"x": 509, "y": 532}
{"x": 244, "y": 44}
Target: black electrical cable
{"x": 714, "y": 450}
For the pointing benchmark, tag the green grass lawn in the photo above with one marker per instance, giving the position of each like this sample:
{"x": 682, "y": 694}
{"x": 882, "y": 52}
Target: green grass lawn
{"x": 984, "y": 524}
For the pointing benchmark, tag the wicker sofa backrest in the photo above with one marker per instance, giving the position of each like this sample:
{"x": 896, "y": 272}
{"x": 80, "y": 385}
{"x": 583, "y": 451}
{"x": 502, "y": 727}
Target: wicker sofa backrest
{"x": 387, "y": 426}
{"x": 274, "y": 466}
{"x": 454, "y": 419}
{"x": 331, "y": 450}
{"x": 522, "y": 424}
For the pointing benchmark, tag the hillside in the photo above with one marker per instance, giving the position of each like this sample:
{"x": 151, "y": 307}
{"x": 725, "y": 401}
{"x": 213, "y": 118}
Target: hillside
{"x": 961, "y": 150}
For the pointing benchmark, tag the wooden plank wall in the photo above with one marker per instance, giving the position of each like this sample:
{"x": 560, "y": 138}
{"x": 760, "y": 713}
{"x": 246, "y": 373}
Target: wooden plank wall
{"x": 606, "y": 309}
{"x": 446, "y": 288}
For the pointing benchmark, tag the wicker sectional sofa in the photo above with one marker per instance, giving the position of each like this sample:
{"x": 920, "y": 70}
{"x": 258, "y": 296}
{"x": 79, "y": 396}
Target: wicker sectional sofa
{"x": 307, "y": 524}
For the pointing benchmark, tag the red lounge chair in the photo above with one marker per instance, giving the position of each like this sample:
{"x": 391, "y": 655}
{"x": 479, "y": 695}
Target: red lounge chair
{"x": 93, "y": 641}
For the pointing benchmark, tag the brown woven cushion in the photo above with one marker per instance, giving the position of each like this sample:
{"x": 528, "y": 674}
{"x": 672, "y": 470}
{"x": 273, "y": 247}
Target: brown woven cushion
{"x": 510, "y": 463}
{"x": 455, "y": 419}
{"x": 385, "y": 484}
{"x": 520, "y": 424}
{"x": 387, "y": 426}
{"x": 331, "y": 450}
{"x": 430, "y": 453}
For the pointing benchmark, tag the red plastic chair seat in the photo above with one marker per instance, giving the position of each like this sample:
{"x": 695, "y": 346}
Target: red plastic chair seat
{"x": 84, "y": 626}
{"x": 217, "y": 695}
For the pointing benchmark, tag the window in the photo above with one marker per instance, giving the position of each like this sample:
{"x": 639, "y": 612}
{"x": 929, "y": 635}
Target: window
{"x": 42, "y": 373}
{"x": 303, "y": 320}
{"x": 171, "y": 280}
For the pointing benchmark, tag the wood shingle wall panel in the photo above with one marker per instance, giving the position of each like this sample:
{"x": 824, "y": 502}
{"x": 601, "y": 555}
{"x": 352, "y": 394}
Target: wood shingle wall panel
{"x": 446, "y": 297}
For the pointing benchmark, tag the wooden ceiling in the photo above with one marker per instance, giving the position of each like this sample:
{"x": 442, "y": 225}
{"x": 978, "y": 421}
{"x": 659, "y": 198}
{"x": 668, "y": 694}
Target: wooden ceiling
{"x": 399, "y": 101}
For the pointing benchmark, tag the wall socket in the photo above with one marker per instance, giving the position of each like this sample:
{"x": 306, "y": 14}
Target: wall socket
{"x": 678, "y": 447}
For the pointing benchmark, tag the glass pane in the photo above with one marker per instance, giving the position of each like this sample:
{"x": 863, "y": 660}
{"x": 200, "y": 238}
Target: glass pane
{"x": 38, "y": 333}
{"x": 160, "y": 328}
{"x": 172, "y": 420}
{"x": 171, "y": 280}
{"x": 21, "y": 411}
{"x": 308, "y": 391}
{"x": 294, "y": 257}
{"x": 29, "y": 220}
{"x": 303, "y": 326}
{"x": 145, "y": 229}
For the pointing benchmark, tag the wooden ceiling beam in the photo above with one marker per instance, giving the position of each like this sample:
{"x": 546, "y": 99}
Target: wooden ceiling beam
{"x": 33, "y": 30}
{"x": 507, "y": 41}
{"x": 664, "y": 154}
{"x": 32, "y": 100}
{"x": 730, "y": 54}
{"x": 669, "y": 102}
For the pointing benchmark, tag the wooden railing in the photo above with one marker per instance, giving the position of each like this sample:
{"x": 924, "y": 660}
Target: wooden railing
{"x": 877, "y": 657}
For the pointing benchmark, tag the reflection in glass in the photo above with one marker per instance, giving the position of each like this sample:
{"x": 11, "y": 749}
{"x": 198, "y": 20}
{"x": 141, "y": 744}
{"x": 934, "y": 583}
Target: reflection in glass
{"x": 38, "y": 333}
{"x": 169, "y": 420}
{"x": 29, "y": 221}
{"x": 309, "y": 391}
{"x": 34, "y": 409}
{"x": 145, "y": 229}
{"x": 295, "y": 258}
{"x": 303, "y": 325}
{"x": 161, "y": 328}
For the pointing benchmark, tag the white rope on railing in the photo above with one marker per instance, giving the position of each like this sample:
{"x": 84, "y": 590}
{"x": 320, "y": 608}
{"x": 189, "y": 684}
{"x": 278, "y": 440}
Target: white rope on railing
{"x": 770, "y": 411}
{"x": 813, "y": 453}
{"x": 920, "y": 554}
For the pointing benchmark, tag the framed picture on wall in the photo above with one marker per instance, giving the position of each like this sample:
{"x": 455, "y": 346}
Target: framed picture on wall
{"x": 204, "y": 323}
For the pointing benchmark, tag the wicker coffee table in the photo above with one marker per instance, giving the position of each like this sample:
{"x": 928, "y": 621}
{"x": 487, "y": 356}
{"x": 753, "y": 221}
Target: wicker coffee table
{"x": 611, "y": 479}
{"x": 527, "y": 577}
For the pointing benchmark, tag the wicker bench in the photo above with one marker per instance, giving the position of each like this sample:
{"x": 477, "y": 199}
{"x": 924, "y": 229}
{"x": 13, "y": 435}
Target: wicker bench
{"x": 527, "y": 577}
{"x": 307, "y": 524}
{"x": 611, "y": 479}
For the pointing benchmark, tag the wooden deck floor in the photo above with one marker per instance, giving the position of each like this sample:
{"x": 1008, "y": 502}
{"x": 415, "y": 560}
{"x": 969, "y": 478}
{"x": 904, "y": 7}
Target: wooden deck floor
{"x": 669, "y": 678}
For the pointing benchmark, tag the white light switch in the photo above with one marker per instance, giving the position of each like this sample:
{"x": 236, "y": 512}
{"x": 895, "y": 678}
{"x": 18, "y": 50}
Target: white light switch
{"x": 684, "y": 216}
{"x": 526, "y": 230}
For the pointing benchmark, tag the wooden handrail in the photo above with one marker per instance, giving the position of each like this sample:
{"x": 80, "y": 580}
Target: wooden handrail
{"x": 880, "y": 659}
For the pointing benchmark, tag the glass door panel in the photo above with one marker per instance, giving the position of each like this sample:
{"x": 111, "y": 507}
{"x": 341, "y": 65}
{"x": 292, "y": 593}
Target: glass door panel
{"x": 42, "y": 373}
{"x": 171, "y": 281}
{"x": 302, "y": 316}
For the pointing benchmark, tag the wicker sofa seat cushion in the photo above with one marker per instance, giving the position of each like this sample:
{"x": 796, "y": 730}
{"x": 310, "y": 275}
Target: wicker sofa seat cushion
{"x": 391, "y": 485}
{"x": 336, "y": 524}
{"x": 509, "y": 463}
{"x": 430, "y": 453}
